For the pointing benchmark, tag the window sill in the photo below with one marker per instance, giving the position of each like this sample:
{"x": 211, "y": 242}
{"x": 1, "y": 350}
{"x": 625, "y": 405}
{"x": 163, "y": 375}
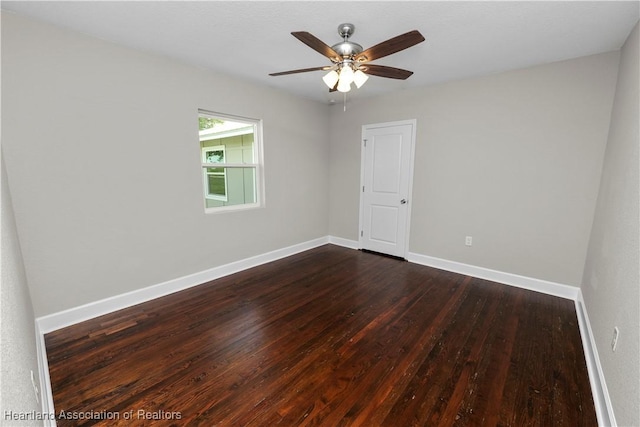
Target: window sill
{"x": 234, "y": 208}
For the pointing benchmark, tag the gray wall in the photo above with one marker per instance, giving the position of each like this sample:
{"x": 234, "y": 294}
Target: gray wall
{"x": 102, "y": 149}
{"x": 17, "y": 328}
{"x": 512, "y": 159}
{"x": 611, "y": 287}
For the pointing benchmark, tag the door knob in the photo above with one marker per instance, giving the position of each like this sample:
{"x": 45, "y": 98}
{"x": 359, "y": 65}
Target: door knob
{"x": 403, "y": 201}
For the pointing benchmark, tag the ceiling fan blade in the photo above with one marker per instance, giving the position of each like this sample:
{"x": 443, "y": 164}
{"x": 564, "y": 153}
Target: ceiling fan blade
{"x": 384, "y": 71}
{"x": 318, "y": 45}
{"x": 390, "y": 46}
{"x": 301, "y": 70}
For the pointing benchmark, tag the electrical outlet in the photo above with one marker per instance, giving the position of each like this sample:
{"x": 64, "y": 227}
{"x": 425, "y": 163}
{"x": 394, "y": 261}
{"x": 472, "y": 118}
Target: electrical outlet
{"x": 614, "y": 340}
{"x": 35, "y": 387}
{"x": 468, "y": 240}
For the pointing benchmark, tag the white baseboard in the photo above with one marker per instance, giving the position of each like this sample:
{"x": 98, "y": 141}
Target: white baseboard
{"x": 339, "y": 241}
{"x": 546, "y": 287}
{"x": 84, "y": 312}
{"x": 601, "y": 398}
{"x": 538, "y": 285}
{"x": 46, "y": 393}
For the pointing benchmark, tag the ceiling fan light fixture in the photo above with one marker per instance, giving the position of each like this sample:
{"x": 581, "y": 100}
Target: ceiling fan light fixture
{"x": 359, "y": 78}
{"x": 331, "y": 78}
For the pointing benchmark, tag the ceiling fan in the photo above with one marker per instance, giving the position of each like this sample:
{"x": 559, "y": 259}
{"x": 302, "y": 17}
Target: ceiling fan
{"x": 350, "y": 62}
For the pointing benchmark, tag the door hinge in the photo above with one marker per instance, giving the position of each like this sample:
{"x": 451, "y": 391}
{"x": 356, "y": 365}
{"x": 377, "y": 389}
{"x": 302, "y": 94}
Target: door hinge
{"x": 363, "y": 188}
{"x": 361, "y": 233}
{"x": 365, "y": 142}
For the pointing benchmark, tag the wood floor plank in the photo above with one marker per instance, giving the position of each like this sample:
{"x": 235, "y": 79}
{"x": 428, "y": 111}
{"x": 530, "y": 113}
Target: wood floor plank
{"x": 328, "y": 337}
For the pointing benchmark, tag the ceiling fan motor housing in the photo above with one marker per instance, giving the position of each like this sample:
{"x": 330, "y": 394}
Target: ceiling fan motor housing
{"x": 346, "y": 48}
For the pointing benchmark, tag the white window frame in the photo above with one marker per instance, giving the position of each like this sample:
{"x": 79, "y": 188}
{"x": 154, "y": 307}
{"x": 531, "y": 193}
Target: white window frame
{"x": 257, "y": 165}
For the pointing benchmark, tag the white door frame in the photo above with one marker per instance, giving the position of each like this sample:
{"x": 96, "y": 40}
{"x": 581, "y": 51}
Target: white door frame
{"x": 413, "y": 123}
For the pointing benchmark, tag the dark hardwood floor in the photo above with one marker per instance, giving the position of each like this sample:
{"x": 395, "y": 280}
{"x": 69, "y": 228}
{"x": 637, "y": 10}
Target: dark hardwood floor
{"x": 328, "y": 337}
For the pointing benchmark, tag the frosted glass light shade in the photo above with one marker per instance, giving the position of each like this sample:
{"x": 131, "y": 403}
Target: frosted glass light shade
{"x": 343, "y": 86}
{"x": 359, "y": 78}
{"x": 331, "y": 78}
{"x": 346, "y": 74}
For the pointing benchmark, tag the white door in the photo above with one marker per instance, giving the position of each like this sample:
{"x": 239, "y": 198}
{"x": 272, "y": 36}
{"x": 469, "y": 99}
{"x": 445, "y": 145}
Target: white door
{"x": 387, "y": 172}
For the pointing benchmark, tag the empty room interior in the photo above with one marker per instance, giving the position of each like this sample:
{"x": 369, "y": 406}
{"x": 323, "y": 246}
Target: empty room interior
{"x": 320, "y": 213}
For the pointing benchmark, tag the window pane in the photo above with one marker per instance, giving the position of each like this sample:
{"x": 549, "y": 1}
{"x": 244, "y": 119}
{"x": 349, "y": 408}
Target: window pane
{"x": 247, "y": 149}
{"x": 216, "y": 185}
{"x": 234, "y": 186}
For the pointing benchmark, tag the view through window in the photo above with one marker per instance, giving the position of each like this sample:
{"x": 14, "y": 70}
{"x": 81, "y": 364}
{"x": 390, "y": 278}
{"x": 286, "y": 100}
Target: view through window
{"x": 231, "y": 168}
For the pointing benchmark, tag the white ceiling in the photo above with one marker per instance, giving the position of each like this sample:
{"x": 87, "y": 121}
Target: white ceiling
{"x": 252, "y": 39}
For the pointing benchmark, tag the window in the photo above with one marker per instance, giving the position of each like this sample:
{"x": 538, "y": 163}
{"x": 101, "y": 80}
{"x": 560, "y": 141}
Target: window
{"x": 231, "y": 161}
{"x": 215, "y": 183}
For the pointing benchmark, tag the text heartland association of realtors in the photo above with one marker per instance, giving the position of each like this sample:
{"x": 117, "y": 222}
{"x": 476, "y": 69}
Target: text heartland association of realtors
{"x": 140, "y": 414}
